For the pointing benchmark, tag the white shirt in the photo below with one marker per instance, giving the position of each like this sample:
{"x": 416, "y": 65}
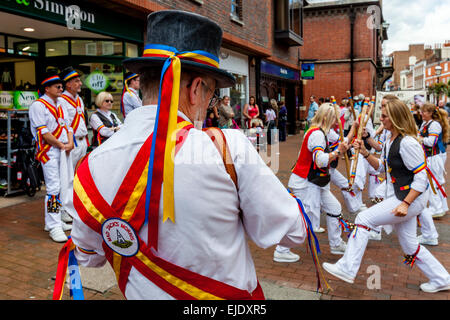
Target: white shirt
{"x": 208, "y": 236}
{"x": 413, "y": 156}
{"x": 433, "y": 128}
{"x": 316, "y": 139}
{"x": 131, "y": 101}
{"x": 270, "y": 114}
{"x": 96, "y": 122}
{"x": 72, "y": 111}
{"x": 41, "y": 116}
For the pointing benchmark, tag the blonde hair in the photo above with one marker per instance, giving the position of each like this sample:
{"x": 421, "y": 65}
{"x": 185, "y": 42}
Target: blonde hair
{"x": 441, "y": 116}
{"x": 274, "y": 104}
{"x": 325, "y": 117}
{"x": 101, "y": 97}
{"x": 401, "y": 118}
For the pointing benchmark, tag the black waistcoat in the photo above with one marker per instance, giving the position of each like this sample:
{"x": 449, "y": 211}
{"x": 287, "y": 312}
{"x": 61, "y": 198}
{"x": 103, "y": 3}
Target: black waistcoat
{"x": 400, "y": 175}
{"x": 107, "y": 122}
{"x": 320, "y": 176}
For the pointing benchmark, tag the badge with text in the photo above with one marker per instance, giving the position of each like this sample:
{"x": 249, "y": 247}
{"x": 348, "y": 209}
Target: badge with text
{"x": 120, "y": 237}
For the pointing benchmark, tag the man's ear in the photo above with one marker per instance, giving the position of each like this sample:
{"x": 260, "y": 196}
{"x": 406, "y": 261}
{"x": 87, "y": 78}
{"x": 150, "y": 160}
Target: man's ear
{"x": 195, "y": 91}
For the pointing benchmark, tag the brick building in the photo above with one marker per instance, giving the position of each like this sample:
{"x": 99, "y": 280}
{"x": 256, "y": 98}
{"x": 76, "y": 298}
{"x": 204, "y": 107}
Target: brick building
{"x": 402, "y": 59}
{"x": 345, "y": 43}
{"x": 261, "y": 41}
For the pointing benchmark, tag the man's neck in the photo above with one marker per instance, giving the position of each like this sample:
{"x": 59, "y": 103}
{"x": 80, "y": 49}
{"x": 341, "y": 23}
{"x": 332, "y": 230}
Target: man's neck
{"x": 72, "y": 93}
{"x": 53, "y": 98}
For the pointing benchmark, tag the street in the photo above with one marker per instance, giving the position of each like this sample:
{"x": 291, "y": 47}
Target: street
{"x": 29, "y": 257}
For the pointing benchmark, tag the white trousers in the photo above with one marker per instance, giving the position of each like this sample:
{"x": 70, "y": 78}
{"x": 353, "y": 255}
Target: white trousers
{"x": 58, "y": 176}
{"x": 436, "y": 201}
{"x": 352, "y": 200}
{"x": 381, "y": 214}
{"x": 373, "y": 182}
{"x": 79, "y": 151}
{"x": 317, "y": 199}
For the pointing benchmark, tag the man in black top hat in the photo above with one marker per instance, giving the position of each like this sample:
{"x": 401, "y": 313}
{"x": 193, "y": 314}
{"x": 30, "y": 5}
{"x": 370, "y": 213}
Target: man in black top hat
{"x": 54, "y": 141}
{"x": 208, "y": 191}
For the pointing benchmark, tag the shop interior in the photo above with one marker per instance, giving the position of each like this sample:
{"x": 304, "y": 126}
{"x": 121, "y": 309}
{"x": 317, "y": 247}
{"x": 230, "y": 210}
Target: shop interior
{"x": 29, "y": 48}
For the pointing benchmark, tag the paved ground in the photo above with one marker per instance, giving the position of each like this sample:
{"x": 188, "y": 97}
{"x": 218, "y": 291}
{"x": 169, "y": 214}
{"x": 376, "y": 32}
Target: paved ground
{"x": 28, "y": 258}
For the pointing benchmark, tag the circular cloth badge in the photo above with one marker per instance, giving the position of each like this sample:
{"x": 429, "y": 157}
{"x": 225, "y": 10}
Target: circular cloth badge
{"x": 79, "y": 110}
{"x": 120, "y": 237}
{"x": 61, "y": 122}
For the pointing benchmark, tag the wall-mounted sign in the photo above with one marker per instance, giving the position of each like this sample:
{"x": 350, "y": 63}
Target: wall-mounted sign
{"x": 308, "y": 71}
{"x": 17, "y": 99}
{"x": 279, "y": 71}
{"x": 97, "y": 82}
{"x": 80, "y": 14}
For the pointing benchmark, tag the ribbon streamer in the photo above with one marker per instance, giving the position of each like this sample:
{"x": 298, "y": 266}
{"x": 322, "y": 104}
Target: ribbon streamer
{"x": 313, "y": 244}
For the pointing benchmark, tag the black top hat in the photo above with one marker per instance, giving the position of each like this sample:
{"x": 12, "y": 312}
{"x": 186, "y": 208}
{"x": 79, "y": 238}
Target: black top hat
{"x": 185, "y": 32}
{"x": 68, "y": 74}
{"x": 130, "y": 75}
{"x": 50, "y": 78}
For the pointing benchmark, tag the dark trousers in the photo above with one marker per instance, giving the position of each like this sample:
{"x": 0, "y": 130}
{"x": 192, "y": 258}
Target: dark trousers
{"x": 282, "y": 130}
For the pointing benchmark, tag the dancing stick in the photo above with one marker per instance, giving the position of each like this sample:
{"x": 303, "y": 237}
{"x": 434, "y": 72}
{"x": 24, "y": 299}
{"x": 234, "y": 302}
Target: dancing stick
{"x": 341, "y": 134}
{"x": 350, "y": 100}
{"x": 359, "y": 134}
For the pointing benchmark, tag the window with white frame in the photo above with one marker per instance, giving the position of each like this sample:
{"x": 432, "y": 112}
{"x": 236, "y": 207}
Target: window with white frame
{"x": 236, "y": 9}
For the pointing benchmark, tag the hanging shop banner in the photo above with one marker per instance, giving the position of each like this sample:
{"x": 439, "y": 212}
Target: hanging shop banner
{"x": 279, "y": 71}
{"x": 308, "y": 71}
{"x": 6, "y": 99}
{"x": 23, "y": 99}
{"x": 97, "y": 82}
{"x": 20, "y": 100}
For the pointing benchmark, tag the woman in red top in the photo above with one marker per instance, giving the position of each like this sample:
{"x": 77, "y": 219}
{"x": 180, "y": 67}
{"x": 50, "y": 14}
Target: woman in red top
{"x": 251, "y": 111}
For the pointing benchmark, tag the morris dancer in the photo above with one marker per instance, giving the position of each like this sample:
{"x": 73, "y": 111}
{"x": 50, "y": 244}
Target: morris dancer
{"x": 160, "y": 193}
{"x": 54, "y": 142}
{"x": 403, "y": 161}
{"x": 130, "y": 99}
{"x": 433, "y": 131}
{"x": 310, "y": 178}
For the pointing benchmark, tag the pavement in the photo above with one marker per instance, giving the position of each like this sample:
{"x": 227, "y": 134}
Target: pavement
{"x": 29, "y": 257}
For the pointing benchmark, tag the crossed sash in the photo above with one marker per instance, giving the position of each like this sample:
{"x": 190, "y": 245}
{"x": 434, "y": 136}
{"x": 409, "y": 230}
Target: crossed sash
{"x": 78, "y": 116}
{"x": 41, "y": 146}
{"x": 129, "y": 206}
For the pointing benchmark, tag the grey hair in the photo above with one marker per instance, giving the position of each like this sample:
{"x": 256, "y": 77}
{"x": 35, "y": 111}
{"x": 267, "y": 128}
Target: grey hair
{"x": 150, "y": 79}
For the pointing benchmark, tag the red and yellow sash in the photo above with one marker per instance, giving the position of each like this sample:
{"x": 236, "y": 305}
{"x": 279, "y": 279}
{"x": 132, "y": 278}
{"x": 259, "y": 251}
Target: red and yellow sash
{"x": 129, "y": 206}
{"x": 78, "y": 116}
{"x": 41, "y": 146}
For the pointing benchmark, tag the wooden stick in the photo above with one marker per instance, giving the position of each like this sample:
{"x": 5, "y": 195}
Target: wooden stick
{"x": 350, "y": 100}
{"x": 341, "y": 134}
{"x": 355, "y": 160}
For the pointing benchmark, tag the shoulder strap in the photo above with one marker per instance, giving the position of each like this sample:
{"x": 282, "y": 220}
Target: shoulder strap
{"x": 218, "y": 138}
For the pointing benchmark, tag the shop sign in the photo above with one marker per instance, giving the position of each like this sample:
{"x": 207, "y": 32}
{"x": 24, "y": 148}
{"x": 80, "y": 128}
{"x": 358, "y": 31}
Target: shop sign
{"x": 84, "y": 15}
{"x": 6, "y": 99}
{"x": 23, "y": 99}
{"x": 17, "y": 99}
{"x": 97, "y": 82}
{"x": 279, "y": 71}
{"x": 308, "y": 71}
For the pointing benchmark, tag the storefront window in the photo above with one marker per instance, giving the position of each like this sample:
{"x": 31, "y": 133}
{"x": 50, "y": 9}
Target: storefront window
{"x": 131, "y": 50}
{"x": 96, "y": 48}
{"x": 27, "y": 48}
{"x": 57, "y": 48}
{"x": 11, "y": 43}
{"x": 2, "y": 44}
